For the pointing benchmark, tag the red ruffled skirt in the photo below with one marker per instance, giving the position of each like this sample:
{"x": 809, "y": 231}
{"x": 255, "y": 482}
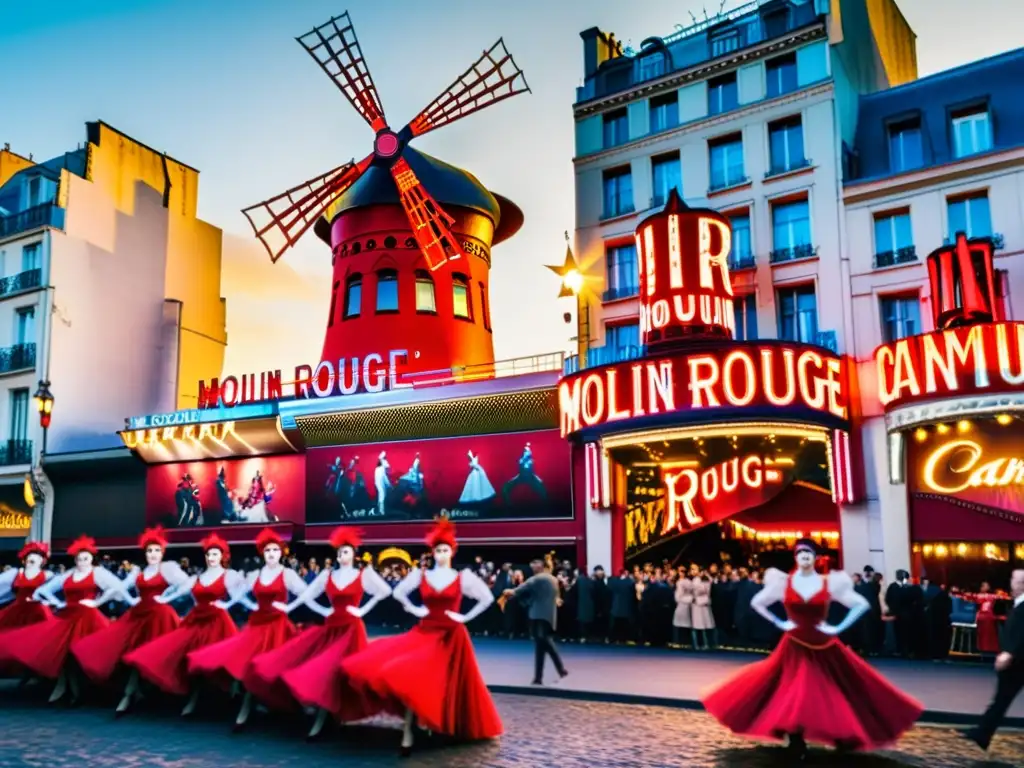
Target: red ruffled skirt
{"x": 20, "y": 613}
{"x": 432, "y": 671}
{"x": 100, "y": 654}
{"x": 232, "y": 657}
{"x": 163, "y": 662}
{"x": 43, "y": 648}
{"x": 826, "y": 693}
{"x": 988, "y": 632}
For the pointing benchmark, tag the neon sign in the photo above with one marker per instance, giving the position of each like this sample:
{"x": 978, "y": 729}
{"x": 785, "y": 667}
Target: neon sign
{"x": 217, "y": 432}
{"x": 957, "y": 465}
{"x": 685, "y": 288}
{"x": 741, "y": 375}
{"x": 959, "y": 362}
{"x": 328, "y": 378}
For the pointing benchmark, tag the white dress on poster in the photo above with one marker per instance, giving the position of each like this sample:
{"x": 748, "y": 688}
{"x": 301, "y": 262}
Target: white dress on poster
{"x": 381, "y": 481}
{"x": 478, "y": 488}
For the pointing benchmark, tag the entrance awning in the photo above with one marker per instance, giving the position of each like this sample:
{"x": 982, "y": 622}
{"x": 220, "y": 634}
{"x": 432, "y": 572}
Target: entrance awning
{"x": 800, "y": 509}
{"x": 15, "y": 515}
{"x": 942, "y": 518}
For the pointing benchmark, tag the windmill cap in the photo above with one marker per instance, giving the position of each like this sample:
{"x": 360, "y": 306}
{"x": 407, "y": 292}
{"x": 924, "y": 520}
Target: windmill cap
{"x": 449, "y": 185}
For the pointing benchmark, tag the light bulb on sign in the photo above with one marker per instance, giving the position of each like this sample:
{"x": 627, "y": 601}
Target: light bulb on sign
{"x": 573, "y": 280}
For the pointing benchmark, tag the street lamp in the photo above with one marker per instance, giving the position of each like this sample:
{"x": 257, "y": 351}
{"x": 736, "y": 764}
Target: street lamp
{"x": 574, "y": 284}
{"x": 44, "y": 404}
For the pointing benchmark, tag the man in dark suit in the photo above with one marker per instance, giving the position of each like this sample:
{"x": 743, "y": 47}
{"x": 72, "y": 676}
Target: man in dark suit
{"x": 905, "y": 601}
{"x": 1009, "y": 668}
{"x": 540, "y": 592}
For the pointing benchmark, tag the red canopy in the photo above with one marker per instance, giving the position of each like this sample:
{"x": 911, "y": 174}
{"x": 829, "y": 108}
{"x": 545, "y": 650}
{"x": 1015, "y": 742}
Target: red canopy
{"x": 801, "y": 508}
{"x": 941, "y": 518}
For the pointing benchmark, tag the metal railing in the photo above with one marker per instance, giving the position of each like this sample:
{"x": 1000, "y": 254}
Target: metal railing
{"x": 905, "y": 255}
{"x": 793, "y": 253}
{"x": 604, "y": 356}
{"x": 723, "y": 184}
{"x": 620, "y": 292}
{"x": 18, "y": 357}
{"x": 519, "y": 366}
{"x": 45, "y": 215}
{"x": 15, "y": 452}
{"x": 792, "y": 165}
{"x": 743, "y": 261}
{"x": 621, "y": 210}
{"x": 23, "y": 281}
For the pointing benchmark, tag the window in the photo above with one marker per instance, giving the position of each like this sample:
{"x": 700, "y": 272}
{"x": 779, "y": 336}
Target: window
{"x": 19, "y": 415}
{"x": 353, "y": 295}
{"x": 780, "y": 74}
{"x": 425, "y": 300}
{"x": 623, "y": 273}
{"x": 334, "y": 303}
{"x": 387, "y": 291}
{"x": 894, "y": 240}
{"x": 723, "y": 95}
{"x": 652, "y": 65}
{"x": 969, "y": 215}
{"x": 618, "y": 192}
{"x": 798, "y": 314}
{"x": 905, "y": 148}
{"x": 745, "y": 314}
{"x": 35, "y": 188}
{"x": 726, "y": 155}
{"x": 901, "y": 317}
{"x": 461, "y": 303}
{"x": 664, "y": 112}
{"x": 786, "y": 144}
{"x": 484, "y": 311}
{"x": 622, "y": 336}
{"x": 30, "y": 257}
{"x": 972, "y": 132}
{"x": 25, "y": 326}
{"x": 742, "y": 254}
{"x": 667, "y": 173}
{"x": 791, "y": 230}
{"x": 725, "y": 42}
{"x": 616, "y": 128}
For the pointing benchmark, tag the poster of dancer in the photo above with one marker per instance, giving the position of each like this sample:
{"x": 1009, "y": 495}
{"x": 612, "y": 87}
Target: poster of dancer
{"x": 482, "y": 477}
{"x": 269, "y": 489}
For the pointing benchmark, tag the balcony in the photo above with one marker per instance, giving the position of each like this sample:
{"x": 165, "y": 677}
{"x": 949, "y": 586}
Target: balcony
{"x": 717, "y": 36}
{"x": 23, "y": 281}
{"x": 15, "y": 452}
{"x": 782, "y": 169}
{"x": 905, "y": 255}
{"x": 793, "y": 253}
{"x": 614, "y": 212}
{"x": 603, "y": 356}
{"x": 721, "y": 184}
{"x": 20, "y": 357}
{"x": 620, "y": 292}
{"x": 739, "y": 262}
{"x": 45, "y": 215}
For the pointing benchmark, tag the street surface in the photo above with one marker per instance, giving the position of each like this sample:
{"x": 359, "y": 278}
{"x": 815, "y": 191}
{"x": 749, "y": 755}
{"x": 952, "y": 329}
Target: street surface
{"x": 539, "y": 732}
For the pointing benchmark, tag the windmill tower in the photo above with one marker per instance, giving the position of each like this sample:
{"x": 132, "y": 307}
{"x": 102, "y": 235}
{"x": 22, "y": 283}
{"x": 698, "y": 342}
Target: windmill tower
{"x": 410, "y": 235}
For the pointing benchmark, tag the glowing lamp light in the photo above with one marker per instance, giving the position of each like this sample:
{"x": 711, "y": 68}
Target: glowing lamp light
{"x": 44, "y": 404}
{"x": 1003, "y": 419}
{"x": 573, "y": 280}
{"x": 963, "y": 426}
{"x": 942, "y": 429}
{"x": 921, "y": 435}
{"x": 961, "y": 549}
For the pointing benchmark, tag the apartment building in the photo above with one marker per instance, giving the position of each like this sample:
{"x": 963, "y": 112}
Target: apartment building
{"x": 938, "y": 156}
{"x": 110, "y": 291}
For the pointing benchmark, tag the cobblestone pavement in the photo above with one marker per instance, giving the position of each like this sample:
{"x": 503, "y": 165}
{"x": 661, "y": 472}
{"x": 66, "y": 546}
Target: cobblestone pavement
{"x": 540, "y": 732}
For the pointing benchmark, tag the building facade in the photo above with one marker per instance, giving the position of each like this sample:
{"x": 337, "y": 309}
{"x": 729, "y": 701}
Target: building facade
{"x": 744, "y": 114}
{"x": 932, "y": 159}
{"x": 111, "y": 292}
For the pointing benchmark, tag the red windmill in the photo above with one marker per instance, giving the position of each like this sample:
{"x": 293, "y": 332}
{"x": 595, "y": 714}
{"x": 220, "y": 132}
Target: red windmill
{"x": 388, "y": 233}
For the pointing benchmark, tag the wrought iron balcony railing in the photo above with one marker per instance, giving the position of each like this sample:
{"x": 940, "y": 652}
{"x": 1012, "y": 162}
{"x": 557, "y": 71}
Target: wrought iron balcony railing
{"x": 18, "y": 357}
{"x": 905, "y": 255}
{"x": 723, "y": 184}
{"x": 620, "y": 292}
{"x": 23, "y": 281}
{"x": 742, "y": 261}
{"x": 603, "y": 356}
{"x": 15, "y": 452}
{"x": 792, "y": 165}
{"x": 794, "y": 252}
{"x": 45, "y": 215}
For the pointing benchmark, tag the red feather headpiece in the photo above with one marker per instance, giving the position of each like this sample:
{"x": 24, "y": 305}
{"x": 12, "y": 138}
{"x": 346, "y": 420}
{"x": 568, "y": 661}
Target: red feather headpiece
{"x": 213, "y": 541}
{"x": 266, "y": 537}
{"x": 153, "y": 536}
{"x": 83, "y": 544}
{"x": 346, "y": 536}
{"x": 40, "y": 548}
{"x": 443, "y": 532}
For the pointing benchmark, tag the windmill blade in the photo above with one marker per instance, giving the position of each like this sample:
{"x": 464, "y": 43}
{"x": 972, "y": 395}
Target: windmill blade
{"x": 494, "y": 77}
{"x": 335, "y": 48}
{"x": 282, "y": 220}
{"x": 431, "y": 226}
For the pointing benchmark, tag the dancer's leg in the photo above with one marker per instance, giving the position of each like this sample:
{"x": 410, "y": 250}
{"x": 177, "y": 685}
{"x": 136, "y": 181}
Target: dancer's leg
{"x": 60, "y": 688}
{"x": 243, "y": 713}
{"x": 193, "y": 702}
{"x": 318, "y": 724}
{"x": 131, "y": 690}
{"x": 407, "y": 733}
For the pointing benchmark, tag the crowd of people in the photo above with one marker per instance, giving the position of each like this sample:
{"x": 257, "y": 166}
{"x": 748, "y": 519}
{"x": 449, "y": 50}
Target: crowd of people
{"x": 694, "y": 607}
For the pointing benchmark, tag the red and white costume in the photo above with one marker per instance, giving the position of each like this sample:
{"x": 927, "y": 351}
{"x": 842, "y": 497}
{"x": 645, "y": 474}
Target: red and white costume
{"x": 21, "y": 584}
{"x": 431, "y": 670}
{"x": 101, "y": 653}
{"x": 307, "y": 668}
{"x": 163, "y": 662}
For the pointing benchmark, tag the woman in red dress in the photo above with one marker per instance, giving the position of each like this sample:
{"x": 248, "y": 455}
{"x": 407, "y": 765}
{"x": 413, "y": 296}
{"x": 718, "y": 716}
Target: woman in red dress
{"x": 163, "y": 661}
{"x": 268, "y": 627}
{"x": 812, "y": 687}
{"x": 430, "y": 672}
{"x": 307, "y": 668}
{"x": 986, "y": 619}
{"x": 101, "y": 654}
{"x": 44, "y": 649}
{"x": 21, "y": 584}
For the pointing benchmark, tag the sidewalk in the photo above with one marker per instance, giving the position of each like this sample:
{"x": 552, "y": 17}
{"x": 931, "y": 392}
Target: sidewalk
{"x": 951, "y": 693}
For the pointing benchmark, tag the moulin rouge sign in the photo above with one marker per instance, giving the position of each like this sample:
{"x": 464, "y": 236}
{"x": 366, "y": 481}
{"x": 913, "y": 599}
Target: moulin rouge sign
{"x": 344, "y": 377}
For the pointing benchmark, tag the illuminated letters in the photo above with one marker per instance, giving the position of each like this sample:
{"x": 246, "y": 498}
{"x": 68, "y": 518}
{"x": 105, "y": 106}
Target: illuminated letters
{"x": 217, "y": 432}
{"x": 957, "y": 465}
{"x": 718, "y": 260}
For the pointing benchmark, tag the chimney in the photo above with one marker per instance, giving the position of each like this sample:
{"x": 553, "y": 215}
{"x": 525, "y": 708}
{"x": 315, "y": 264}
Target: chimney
{"x": 598, "y": 47}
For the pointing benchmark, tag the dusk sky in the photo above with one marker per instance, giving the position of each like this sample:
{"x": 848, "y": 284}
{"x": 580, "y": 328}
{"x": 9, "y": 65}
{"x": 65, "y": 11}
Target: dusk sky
{"x": 223, "y": 86}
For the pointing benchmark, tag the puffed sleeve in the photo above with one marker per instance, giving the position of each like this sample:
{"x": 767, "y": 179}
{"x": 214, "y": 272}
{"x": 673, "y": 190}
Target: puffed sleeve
{"x": 374, "y": 584}
{"x": 841, "y": 589}
{"x": 474, "y": 587}
{"x": 6, "y": 584}
{"x": 294, "y": 583}
{"x": 105, "y": 580}
{"x": 235, "y": 581}
{"x": 775, "y": 580}
{"x": 172, "y": 573}
{"x": 48, "y": 591}
{"x": 409, "y": 584}
{"x": 132, "y": 578}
